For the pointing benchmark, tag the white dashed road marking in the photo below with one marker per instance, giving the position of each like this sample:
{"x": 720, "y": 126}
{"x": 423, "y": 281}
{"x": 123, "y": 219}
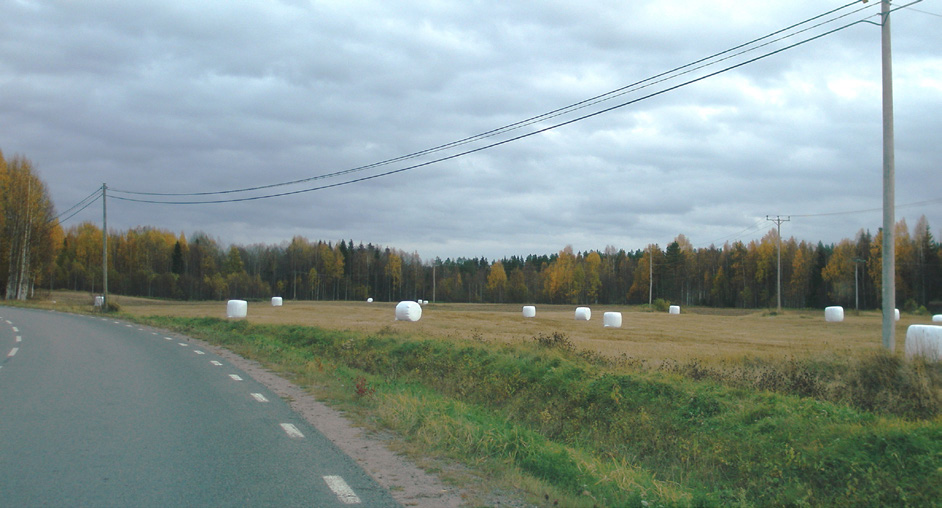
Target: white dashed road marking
{"x": 259, "y": 397}
{"x": 343, "y": 491}
{"x": 291, "y": 430}
{"x": 184, "y": 344}
{"x": 15, "y": 329}
{"x": 235, "y": 377}
{"x": 214, "y": 362}
{"x": 12, "y": 352}
{"x": 197, "y": 351}
{"x": 19, "y": 339}
{"x": 168, "y": 338}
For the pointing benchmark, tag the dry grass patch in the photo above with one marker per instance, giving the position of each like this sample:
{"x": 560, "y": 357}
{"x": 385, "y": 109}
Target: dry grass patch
{"x": 704, "y": 334}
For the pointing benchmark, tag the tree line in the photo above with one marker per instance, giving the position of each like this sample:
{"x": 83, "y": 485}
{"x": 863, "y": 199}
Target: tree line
{"x": 150, "y": 262}
{"x": 35, "y": 252}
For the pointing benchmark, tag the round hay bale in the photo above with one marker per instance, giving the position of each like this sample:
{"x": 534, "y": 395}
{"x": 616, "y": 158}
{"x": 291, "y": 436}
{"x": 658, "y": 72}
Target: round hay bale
{"x": 674, "y": 309}
{"x": 611, "y": 319}
{"x": 277, "y": 301}
{"x": 369, "y": 300}
{"x": 583, "y": 313}
{"x": 937, "y": 318}
{"x": 925, "y": 341}
{"x": 237, "y": 308}
{"x": 529, "y": 311}
{"x": 834, "y": 314}
{"x": 896, "y": 312}
{"x": 408, "y": 311}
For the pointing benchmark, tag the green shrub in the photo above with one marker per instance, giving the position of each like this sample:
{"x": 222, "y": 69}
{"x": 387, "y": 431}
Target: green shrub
{"x": 661, "y": 305}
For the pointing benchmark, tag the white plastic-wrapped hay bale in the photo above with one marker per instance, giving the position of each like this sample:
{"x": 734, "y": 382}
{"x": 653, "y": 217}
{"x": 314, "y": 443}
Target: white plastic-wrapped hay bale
{"x": 896, "y": 314}
{"x": 237, "y": 309}
{"x": 583, "y": 313}
{"x": 674, "y": 309}
{"x": 924, "y": 340}
{"x": 937, "y": 318}
{"x": 529, "y": 311}
{"x": 369, "y": 300}
{"x": 99, "y": 300}
{"x": 408, "y": 311}
{"x": 611, "y": 320}
{"x": 834, "y": 314}
{"x": 277, "y": 301}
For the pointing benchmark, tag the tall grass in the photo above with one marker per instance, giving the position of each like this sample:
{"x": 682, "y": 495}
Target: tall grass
{"x": 614, "y": 434}
{"x": 877, "y": 382}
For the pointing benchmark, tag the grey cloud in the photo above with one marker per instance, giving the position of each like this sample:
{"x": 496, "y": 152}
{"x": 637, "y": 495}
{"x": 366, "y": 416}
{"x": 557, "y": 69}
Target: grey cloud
{"x": 183, "y": 97}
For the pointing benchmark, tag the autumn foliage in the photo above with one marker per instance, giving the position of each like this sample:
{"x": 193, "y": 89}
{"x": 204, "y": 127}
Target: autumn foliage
{"x": 29, "y": 232}
{"x": 150, "y": 262}
{"x": 147, "y": 261}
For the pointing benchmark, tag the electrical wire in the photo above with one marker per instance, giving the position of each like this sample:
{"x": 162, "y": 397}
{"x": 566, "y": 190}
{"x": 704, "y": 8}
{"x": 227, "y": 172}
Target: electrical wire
{"x": 751, "y": 229}
{"x": 758, "y": 226}
{"x": 508, "y": 140}
{"x": 927, "y": 12}
{"x": 634, "y": 87}
{"x": 868, "y": 210}
{"x": 96, "y": 195}
{"x": 80, "y": 209}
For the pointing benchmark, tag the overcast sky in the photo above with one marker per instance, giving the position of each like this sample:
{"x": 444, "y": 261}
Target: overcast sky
{"x": 177, "y": 96}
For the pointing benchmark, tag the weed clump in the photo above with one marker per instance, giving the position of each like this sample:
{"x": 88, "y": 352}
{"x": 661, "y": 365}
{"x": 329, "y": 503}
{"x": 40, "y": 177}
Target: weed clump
{"x": 557, "y": 340}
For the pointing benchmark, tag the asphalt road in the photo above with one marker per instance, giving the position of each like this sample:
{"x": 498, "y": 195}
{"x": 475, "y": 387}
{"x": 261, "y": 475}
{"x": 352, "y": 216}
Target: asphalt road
{"x": 98, "y": 412}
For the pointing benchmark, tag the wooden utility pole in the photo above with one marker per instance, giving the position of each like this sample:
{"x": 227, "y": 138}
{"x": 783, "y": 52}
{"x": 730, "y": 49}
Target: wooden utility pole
{"x": 650, "y": 273}
{"x": 889, "y": 199}
{"x": 778, "y": 220}
{"x": 104, "y": 248}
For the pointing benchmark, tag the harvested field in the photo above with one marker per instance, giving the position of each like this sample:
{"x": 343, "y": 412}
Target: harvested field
{"x": 705, "y": 334}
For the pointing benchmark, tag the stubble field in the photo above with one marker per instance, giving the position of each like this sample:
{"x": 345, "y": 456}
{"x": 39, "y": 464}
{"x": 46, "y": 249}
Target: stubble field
{"x": 705, "y": 334}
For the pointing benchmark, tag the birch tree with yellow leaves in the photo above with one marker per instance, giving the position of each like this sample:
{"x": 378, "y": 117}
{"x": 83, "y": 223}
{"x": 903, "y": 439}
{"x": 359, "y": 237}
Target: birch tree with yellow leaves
{"x": 30, "y": 232}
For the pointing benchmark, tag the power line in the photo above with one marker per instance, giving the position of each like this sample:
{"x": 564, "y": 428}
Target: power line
{"x": 927, "y": 12}
{"x": 96, "y": 195}
{"x": 852, "y": 212}
{"x": 758, "y": 225}
{"x": 639, "y": 85}
{"x": 751, "y": 229}
{"x": 505, "y": 141}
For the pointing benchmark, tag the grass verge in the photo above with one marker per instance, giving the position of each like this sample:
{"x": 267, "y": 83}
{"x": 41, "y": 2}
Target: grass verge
{"x": 582, "y": 434}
